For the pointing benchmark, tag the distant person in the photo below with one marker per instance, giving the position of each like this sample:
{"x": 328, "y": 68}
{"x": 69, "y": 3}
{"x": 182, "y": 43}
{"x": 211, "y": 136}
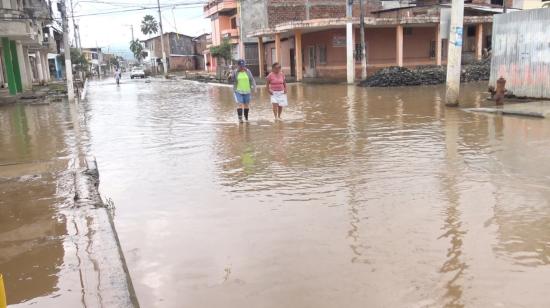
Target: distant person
{"x": 243, "y": 84}
{"x": 118, "y": 74}
{"x": 276, "y": 85}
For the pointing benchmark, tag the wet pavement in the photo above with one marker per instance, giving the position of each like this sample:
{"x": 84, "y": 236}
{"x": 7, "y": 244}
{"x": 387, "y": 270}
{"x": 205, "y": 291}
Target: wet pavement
{"x": 55, "y": 250}
{"x": 360, "y": 197}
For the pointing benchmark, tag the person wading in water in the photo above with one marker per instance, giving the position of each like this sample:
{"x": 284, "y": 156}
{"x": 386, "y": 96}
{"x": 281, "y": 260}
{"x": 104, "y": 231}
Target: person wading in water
{"x": 276, "y": 85}
{"x": 243, "y": 84}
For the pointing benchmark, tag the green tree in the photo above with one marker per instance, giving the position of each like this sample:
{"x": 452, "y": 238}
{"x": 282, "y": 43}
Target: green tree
{"x": 149, "y": 25}
{"x": 137, "y": 49}
{"x": 78, "y": 60}
{"x": 222, "y": 51}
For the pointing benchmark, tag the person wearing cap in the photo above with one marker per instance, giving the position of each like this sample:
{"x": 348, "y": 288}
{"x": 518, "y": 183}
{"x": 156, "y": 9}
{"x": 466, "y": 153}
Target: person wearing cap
{"x": 243, "y": 84}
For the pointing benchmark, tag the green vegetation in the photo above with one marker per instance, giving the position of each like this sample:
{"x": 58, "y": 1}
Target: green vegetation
{"x": 137, "y": 49}
{"x": 79, "y": 62}
{"x": 149, "y": 25}
{"x": 222, "y": 51}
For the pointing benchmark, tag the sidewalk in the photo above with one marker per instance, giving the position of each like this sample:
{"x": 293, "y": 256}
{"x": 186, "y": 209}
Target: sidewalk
{"x": 58, "y": 246}
{"x": 538, "y": 109}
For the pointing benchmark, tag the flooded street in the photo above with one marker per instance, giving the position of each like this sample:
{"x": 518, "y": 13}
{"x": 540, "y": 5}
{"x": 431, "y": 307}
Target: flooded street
{"x": 360, "y": 197}
{"x": 56, "y": 248}
{"x": 378, "y": 197}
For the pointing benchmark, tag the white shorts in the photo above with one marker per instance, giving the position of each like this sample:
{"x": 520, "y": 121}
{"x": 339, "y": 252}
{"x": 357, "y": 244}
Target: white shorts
{"x": 279, "y": 98}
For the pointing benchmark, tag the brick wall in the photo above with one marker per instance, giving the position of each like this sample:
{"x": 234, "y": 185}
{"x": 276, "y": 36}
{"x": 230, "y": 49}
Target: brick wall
{"x": 183, "y": 63}
{"x": 281, "y": 11}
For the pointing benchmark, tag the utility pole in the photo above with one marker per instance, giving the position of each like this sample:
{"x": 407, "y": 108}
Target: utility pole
{"x": 164, "y": 62}
{"x": 68, "y": 63}
{"x": 99, "y": 59}
{"x": 454, "y": 59}
{"x": 363, "y": 43}
{"x": 349, "y": 43}
{"x": 76, "y": 40}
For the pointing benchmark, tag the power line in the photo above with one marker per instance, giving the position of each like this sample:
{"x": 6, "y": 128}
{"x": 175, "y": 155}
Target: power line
{"x": 174, "y": 6}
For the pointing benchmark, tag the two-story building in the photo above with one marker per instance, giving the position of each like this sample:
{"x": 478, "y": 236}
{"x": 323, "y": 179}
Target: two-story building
{"x": 94, "y": 56}
{"x": 309, "y": 38}
{"x": 26, "y": 39}
{"x": 181, "y": 52}
{"x": 231, "y": 20}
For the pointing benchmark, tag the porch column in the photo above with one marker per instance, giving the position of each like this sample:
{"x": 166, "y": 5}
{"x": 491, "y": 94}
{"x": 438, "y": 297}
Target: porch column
{"x": 350, "y": 47}
{"x": 205, "y": 61}
{"x": 261, "y": 56}
{"x": 479, "y": 41}
{"x": 437, "y": 45}
{"x": 298, "y": 54}
{"x": 28, "y": 65}
{"x": 39, "y": 67}
{"x": 278, "y": 48}
{"x": 16, "y": 67}
{"x": 46, "y": 66}
{"x": 2, "y": 81}
{"x": 399, "y": 45}
{"x": 6, "y": 51}
{"x": 22, "y": 66}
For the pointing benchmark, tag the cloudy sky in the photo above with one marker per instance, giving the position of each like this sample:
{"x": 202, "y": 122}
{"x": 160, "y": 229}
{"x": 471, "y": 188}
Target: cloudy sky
{"x": 106, "y": 23}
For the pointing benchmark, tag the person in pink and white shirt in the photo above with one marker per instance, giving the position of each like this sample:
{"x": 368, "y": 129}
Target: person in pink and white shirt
{"x": 276, "y": 85}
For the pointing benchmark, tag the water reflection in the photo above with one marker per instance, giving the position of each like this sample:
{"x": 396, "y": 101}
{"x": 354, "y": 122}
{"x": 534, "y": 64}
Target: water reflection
{"x": 400, "y": 201}
{"x": 453, "y": 228}
{"x": 31, "y": 226}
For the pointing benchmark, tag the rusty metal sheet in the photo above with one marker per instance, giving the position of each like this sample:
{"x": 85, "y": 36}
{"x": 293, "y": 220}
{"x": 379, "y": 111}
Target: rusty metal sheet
{"x": 521, "y": 52}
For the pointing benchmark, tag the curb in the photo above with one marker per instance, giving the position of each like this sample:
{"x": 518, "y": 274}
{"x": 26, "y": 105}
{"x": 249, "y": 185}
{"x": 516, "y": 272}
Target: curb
{"x": 113, "y": 280}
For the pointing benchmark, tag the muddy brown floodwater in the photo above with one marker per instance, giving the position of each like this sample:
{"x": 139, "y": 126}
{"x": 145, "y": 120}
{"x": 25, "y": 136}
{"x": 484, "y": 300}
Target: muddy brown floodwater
{"x": 360, "y": 197}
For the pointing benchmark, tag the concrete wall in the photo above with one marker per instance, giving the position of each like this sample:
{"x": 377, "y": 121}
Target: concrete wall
{"x": 219, "y": 24}
{"x": 381, "y": 49}
{"x": 181, "y": 44}
{"x": 183, "y": 63}
{"x": 286, "y": 45}
{"x": 521, "y": 52}
{"x": 253, "y": 17}
{"x": 417, "y": 45}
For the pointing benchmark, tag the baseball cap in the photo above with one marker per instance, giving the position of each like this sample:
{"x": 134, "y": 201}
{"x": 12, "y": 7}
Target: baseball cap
{"x": 241, "y": 63}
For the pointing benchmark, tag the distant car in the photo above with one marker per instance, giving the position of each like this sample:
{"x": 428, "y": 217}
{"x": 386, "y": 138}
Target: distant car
{"x": 137, "y": 72}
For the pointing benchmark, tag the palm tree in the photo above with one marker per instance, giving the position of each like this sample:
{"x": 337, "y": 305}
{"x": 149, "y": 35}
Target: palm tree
{"x": 149, "y": 25}
{"x": 137, "y": 49}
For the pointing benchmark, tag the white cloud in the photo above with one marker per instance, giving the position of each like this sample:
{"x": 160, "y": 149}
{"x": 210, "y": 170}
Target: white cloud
{"x": 112, "y": 31}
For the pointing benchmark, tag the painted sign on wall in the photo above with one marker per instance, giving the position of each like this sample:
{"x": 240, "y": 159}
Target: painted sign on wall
{"x": 339, "y": 41}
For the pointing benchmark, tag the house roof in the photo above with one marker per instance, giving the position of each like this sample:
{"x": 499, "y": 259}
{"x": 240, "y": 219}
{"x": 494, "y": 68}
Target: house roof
{"x": 313, "y": 25}
{"x": 165, "y": 34}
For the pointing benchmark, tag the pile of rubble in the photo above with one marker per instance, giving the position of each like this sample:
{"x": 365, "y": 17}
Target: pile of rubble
{"x": 426, "y": 75}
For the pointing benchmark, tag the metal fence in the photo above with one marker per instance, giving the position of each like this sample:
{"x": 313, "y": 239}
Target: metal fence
{"x": 521, "y": 52}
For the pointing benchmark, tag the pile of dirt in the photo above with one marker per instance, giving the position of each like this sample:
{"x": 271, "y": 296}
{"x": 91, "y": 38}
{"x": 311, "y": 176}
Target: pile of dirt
{"x": 425, "y": 75}
{"x": 476, "y": 71}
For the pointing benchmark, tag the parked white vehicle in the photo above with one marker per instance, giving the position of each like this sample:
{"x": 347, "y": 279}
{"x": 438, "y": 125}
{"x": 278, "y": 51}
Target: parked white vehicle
{"x": 137, "y": 72}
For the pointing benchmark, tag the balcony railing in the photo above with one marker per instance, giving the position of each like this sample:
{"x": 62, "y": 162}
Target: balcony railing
{"x": 217, "y": 6}
{"x": 230, "y": 33}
